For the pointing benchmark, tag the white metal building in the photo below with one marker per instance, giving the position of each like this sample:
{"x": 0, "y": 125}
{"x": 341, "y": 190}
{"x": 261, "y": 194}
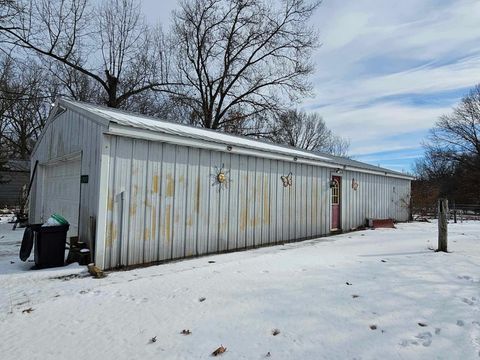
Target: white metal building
{"x": 142, "y": 190}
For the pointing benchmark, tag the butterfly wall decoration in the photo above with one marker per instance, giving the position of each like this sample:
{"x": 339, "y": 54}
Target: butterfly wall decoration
{"x": 287, "y": 180}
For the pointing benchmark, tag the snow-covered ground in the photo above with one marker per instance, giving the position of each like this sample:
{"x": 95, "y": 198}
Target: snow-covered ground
{"x": 376, "y": 294}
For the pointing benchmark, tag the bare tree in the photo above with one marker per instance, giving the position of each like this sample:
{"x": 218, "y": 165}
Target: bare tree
{"x": 110, "y": 44}
{"x": 23, "y": 109}
{"x": 452, "y": 152}
{"x": 309, "y": 132}
{"x": 457, "y": 135}
{"x": 241, "y": 59}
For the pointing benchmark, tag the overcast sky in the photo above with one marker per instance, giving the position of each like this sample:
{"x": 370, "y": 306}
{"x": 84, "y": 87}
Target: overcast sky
{"x": 386, "y": 69}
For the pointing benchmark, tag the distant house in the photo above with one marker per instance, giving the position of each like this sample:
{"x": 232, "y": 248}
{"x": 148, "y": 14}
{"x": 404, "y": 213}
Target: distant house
{"x": 14, "y": 175}
{"x": 141, "y": 190}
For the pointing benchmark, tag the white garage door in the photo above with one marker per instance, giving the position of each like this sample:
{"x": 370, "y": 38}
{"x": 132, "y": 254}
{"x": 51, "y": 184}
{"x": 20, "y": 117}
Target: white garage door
{"x": 62, "y": 192}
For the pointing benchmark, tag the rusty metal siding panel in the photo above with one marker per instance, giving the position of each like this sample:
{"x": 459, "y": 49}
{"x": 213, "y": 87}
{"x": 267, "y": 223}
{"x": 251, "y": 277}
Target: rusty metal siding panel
{"x": 193, "y": 205}
{"x": 137, "y": 208}
{"x": 223, "y": 205}
{"x": 167, "y": 193}
{"x": 257, "y": 201}
{"x": 214, "y": 189}
{"x": 242, "y": 202}
{"x": 153, "y": 202}
{"x": 250, "y": 201}
{"x": 204, "y": 202}
{"x": 273, "y": 184}
{"x": 180, "y": 200}
{"x": 233, "y": 206}
{"x": 182, "y": 211}
{"x": 279, "y": 210}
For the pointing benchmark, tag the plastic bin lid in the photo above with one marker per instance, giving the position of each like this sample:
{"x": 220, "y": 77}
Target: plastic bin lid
{"x": 60, "y": 219}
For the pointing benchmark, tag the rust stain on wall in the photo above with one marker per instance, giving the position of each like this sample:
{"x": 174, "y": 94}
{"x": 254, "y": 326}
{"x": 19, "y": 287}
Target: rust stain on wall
{"x": 154, "y": 222}
{"x": 169, "y": 191}
{"x": 197, "y": 195}
{"x": 111, "y": 234}
{"x": 243, "y": 218}
{"x": 110, "y": 203}
{"x": 266, "y": 202}
{"x": 133, "y": 209}
{"x": 168, "y": 221}
{"x": 155, "y": 183}
{"x": 314, "y": 199}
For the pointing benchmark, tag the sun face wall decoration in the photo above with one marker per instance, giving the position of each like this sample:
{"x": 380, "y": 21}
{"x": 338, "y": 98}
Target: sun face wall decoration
{"x": 220, "y": 177}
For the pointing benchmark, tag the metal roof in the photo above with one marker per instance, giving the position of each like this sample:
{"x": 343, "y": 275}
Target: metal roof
{"x": 151, "y": 124}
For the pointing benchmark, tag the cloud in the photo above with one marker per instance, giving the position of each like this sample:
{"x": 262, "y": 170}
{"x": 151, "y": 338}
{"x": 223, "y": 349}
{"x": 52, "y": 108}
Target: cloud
{"x": 387, "y": 70}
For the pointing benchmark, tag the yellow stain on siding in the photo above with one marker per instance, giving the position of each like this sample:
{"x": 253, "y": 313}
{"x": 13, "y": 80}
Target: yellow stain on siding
{"x": 189, "y": 221}
{"x": 257, "y": 190}
{"x": 314, "y": 199}
{"x": 110, "y": 203}
{"x": 169, "y": 191}
{"x": 181, "y": 179}
{"x": 197, "y": 196}
{"x": 168, "y": 218}
{"x": 154, "y": 222}
{"x": 146, "y": 234}
{"x": 133, "y": 210}
{"x": 111, "y": 234}
{"x": 243, "y": 218}
{"x": 266, "y": 203}
{"x": 155, "y": 183}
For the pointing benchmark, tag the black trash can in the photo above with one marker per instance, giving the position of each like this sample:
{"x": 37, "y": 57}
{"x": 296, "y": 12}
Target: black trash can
{"x": 49, "y": 245}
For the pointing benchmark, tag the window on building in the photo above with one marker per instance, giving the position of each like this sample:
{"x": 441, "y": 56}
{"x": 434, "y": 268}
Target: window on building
{"x": 335, "y": 192}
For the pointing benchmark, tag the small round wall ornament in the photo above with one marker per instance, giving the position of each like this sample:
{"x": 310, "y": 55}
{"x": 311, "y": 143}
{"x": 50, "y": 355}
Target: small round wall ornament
{"x": 220, "y": 177}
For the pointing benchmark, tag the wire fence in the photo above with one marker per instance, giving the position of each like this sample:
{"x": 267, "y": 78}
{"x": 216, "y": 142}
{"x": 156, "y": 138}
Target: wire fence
{"x": 456, "y": 213}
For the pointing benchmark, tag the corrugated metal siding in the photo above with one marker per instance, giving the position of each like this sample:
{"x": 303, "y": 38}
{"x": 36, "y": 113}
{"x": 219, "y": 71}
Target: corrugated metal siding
{"x": 164, "y": 202}
{"x": 11, "y": 187}
{"x": 70, "y": 133}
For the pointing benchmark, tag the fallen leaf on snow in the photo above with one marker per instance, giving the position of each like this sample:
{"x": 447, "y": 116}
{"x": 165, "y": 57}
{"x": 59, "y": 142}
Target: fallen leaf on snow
{"x": 153, "y": 339}
{"x": 422, "y": 324}
{"x": 275, "y": 332}
{"x": 219, "y": 351}
{"x": 27, "y": 311}
{"x": 355, "y": 296}
{"x": 373, "y": 327}
{"x": 348, "y": 283}
{"x": 185, "y": 332}
{"x": 268, "y": 354}
{"x": 202, "y": 299}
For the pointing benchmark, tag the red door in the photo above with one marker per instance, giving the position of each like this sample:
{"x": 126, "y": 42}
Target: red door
{"x": 335, "y": 187}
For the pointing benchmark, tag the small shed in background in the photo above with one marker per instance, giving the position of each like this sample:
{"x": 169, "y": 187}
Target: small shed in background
{"x": 14, "y": 177}
{"x": 142, "y": 190}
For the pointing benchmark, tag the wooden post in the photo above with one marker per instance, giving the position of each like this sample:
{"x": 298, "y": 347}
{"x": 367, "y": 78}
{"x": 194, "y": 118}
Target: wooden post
{"x": 454, "y": 213}
{"x": 442, "y": 224}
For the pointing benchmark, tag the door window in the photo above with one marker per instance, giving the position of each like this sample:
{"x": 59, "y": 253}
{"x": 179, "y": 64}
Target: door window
{"x": 335, "y": 192}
